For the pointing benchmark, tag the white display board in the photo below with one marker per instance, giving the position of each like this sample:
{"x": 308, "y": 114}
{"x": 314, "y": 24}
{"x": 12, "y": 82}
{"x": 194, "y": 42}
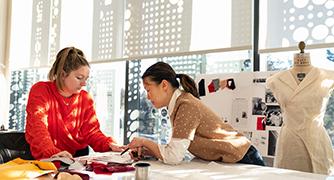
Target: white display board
{"x": 246, "y": 104}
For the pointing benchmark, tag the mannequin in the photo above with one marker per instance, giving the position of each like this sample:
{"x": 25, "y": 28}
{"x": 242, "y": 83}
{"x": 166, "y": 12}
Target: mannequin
{"x": 301, "y": 63}
{"x": 302, "y": 93}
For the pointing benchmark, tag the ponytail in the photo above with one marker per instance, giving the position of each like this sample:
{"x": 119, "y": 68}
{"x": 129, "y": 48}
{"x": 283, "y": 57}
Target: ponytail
{"x": 188, "y": 84}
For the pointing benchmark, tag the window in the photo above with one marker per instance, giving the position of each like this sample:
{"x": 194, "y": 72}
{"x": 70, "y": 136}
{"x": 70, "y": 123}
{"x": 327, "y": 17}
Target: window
{"x": 109, "y": 32}
{"x": 285, "y": 23}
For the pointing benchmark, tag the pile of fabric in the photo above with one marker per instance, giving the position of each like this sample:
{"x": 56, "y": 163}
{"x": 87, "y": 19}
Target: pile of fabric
{"x": 30, "y": 169}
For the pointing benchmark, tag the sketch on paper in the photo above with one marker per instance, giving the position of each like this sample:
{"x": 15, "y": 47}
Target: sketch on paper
{"x": 239, "y": 113}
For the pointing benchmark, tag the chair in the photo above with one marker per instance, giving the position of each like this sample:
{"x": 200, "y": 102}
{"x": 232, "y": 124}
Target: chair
{"x": 13, "y": 145}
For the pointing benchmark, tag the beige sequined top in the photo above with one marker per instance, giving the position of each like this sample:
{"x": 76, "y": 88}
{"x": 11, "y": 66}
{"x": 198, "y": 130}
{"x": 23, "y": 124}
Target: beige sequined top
{"x": 211, "y": 138}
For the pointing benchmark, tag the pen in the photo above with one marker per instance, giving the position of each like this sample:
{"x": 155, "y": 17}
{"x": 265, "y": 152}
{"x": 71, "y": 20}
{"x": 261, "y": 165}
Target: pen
{"x": 124, "y": 151}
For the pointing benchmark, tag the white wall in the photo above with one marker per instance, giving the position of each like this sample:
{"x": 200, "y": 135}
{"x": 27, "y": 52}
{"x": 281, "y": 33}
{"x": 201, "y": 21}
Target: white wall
{"x": 5, "y": 10}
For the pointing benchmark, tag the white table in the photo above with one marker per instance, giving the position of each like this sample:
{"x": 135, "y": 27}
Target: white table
{"x": 205, "y": 170}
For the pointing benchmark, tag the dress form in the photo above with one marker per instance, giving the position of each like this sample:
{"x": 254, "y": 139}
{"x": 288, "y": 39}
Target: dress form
{"x": 303, "y": 143}
{"x": 301, "y": 64}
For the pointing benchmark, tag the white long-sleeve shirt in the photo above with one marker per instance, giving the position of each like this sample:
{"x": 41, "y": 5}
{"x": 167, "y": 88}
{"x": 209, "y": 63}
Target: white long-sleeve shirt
{"x": 175, "y": 150}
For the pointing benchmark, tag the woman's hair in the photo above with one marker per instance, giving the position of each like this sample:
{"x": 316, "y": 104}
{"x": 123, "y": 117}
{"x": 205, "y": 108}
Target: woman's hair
{"x": 68, "y": 59}
{"x": 163, "y": 71}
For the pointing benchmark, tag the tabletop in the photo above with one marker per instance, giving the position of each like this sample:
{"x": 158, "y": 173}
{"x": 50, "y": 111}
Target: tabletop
{"x": 206, "y": 170}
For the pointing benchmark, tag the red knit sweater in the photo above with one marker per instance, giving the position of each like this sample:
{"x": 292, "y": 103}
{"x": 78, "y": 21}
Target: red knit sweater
{"x": 55, "y": 123}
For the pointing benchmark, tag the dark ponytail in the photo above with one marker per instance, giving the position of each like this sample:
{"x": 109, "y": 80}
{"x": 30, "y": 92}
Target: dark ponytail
{"x": 188, "y": 84}
{"x": 163, "y": 71}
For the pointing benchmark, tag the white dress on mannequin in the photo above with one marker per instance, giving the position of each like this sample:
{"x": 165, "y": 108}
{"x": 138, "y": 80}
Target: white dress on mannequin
{"x": 303, "y": 143}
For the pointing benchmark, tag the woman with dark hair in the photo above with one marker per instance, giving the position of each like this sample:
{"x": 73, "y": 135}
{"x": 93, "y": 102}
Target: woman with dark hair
{"x": 195, "y": 127}
{"x": 61, "y": 117}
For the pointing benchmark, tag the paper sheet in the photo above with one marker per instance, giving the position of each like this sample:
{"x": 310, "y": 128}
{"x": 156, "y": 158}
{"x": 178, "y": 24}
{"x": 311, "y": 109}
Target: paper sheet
{"x": 108, "y": 157}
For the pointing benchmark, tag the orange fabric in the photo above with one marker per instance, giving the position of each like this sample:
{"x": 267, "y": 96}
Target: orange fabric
{"x": 55, "y": 123}
{"x": 24, "y": 169}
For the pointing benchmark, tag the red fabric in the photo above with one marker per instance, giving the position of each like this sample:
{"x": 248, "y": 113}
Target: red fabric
{"x": 52, "y": 126}
{"x": 211, "y": 87}
{"x": 57, "y": 164}
{"x": 99, "y": 168}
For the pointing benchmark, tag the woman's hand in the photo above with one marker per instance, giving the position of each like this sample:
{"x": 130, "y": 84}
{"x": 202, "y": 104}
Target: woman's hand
{"x": 116, "y": 147}
{"x": 142, "y": 146}
{"x": 137, "y": 153}
{"x": 136, "y": 142}
{"x": 63, "y": 154}
{"x": 136, "y": 146}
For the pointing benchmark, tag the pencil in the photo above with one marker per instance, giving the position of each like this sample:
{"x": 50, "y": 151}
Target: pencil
{"x": 125, "y": 151}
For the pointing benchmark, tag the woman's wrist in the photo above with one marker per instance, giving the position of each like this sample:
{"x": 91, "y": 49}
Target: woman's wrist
{"x": 143, "y": 142}
{"x": 112, "y": 146}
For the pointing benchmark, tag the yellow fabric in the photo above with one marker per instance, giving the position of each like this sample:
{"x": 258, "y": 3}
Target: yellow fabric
{"x": 25, "y": 169}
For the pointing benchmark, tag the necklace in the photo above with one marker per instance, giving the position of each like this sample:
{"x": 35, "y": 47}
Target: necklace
{"x": 67, "y": 101}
